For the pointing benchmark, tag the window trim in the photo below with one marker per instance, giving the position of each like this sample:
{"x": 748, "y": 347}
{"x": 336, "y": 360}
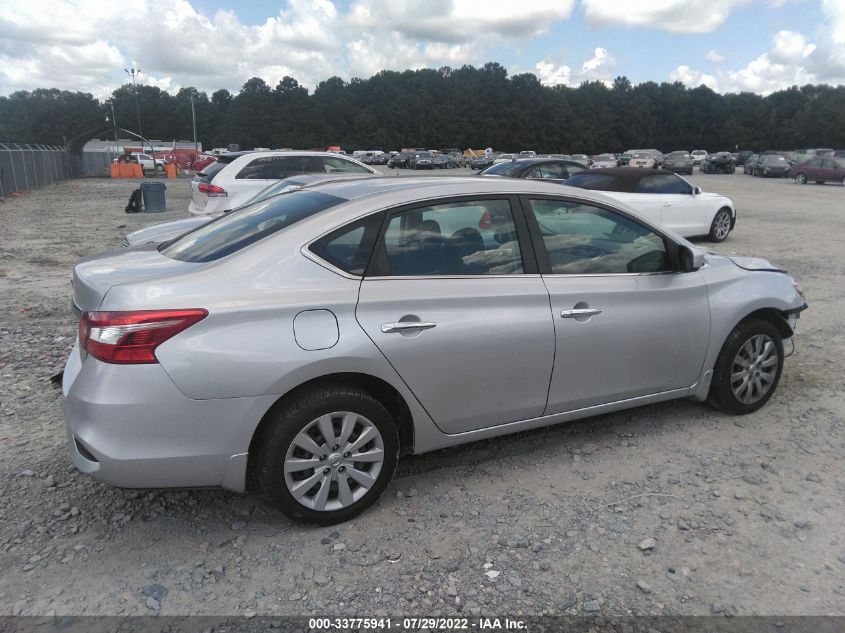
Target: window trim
{"x": 530, "y": 265}
{"x": 542, "y": 254}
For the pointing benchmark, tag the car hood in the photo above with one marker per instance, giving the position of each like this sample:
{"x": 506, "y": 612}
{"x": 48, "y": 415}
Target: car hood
{"x": 164, "y": 231}
{"x": 751, "y": 263}
{"x": 94, "y": 276}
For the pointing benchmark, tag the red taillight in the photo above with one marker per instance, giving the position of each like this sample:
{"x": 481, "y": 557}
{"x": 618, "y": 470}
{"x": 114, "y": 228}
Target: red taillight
{"x": 212, "y": 191}
{"x": 132, "y": 337}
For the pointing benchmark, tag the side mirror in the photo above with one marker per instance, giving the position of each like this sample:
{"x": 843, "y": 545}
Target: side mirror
{"x": 696, "y": 191}
{"x": 691, "y": 259}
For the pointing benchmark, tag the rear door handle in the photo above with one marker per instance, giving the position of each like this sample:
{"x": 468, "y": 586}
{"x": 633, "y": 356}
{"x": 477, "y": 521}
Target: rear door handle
{"x": 404, "y": 326}
{"x": 577, "y": 312}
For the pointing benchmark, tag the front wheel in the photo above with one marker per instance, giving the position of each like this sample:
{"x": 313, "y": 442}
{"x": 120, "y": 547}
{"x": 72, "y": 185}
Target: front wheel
{"x": 721, "y": 226}
{"x": 748, "y": 368}
{"x": 327, "y": 455}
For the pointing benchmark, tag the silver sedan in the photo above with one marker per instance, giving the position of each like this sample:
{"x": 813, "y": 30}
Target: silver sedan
{"x": 304, "y": 343}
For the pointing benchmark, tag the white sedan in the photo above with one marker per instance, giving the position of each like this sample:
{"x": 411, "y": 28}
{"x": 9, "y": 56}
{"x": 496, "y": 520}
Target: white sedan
{"x": 665, "y": 198}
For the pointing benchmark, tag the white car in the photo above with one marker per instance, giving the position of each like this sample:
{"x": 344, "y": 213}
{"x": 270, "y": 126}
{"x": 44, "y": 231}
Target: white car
{"x": 149, "y": 163}
{"x": 236, "y": 177}
{"x": 504, "y": 158}
{"x": 665, "y": 198}
{"x": 645, "y": 158}
{"x": 603, "y": 161}
{"x": 698, "y": 155}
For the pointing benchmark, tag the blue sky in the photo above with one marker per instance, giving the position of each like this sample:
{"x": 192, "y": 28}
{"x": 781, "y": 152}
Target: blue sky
{"x": 729, "y": 45}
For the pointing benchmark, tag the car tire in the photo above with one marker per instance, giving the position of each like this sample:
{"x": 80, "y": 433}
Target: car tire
{"x": 305, "y": 417}
{"x": 720, "y": 228}
{"x": 739, "y": 389}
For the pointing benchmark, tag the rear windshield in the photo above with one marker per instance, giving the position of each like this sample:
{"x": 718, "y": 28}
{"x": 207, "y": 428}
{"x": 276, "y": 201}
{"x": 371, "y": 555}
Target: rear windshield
{"x": 209, "y": 172}
{"x": 233, "y": 232}
{"x": 600, "y": 182}
{"x": 503, "y": 169}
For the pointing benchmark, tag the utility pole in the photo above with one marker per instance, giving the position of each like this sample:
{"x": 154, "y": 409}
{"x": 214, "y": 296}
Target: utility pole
{"x": 114, "y": 123}
{"x": 194, "y": 119}
{"x": 133, "y": 72}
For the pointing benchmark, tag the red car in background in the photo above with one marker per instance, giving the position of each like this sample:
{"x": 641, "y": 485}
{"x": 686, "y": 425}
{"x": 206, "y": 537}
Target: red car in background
{"x": 820, "y": 170}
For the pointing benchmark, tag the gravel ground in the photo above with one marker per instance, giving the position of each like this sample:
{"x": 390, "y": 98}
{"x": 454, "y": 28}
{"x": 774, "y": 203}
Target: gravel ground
{"x": 667, "y": 509}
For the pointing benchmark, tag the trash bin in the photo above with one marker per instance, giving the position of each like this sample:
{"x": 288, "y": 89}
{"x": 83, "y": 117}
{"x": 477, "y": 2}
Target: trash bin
{"x": 153, "y": 195}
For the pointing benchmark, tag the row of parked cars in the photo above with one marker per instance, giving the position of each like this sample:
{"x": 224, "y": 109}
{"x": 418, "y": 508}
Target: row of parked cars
{"x": 301, "y": 341}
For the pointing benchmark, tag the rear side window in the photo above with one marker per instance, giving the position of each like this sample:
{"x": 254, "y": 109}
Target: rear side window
{"x": 233, "y": 232}
{"x": 287, "y": 166}
{"x": 349, "y": 247}
{"x": 334, "y": 165}
{"x": 663, "y": 183}
{"x": 258, "y": 169}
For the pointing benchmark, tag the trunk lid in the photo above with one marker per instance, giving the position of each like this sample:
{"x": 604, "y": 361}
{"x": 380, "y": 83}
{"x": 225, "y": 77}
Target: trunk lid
{"x": 94, "y": 276}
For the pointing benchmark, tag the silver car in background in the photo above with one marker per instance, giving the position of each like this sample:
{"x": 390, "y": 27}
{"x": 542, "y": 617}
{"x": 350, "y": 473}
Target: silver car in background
{"x": 304, "y": 343}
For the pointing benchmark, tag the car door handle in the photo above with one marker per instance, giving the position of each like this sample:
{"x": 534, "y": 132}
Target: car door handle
{"x": 404, "y": 326}
{"x": 577, "y": 312}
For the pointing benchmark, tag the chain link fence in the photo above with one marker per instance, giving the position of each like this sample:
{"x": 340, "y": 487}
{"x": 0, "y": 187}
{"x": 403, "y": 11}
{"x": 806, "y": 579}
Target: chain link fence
{"x": 24, "y": 166}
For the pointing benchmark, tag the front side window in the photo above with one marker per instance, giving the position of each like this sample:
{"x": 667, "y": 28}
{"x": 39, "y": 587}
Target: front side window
{"x": 475, "y": 237}
{"x": 583, "y": 239}
{"x": 663, "y": 183}
{"x": 335, "y": 165}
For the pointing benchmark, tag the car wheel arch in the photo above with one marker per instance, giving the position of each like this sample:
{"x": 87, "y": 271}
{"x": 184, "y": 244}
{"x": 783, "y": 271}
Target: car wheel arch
{"x": 772, "y": 315}
{"x": 378, "y": 388}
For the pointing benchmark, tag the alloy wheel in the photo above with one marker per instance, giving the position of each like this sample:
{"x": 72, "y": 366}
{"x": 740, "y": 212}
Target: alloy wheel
{"x": 754, "y": 369}
{"x": 723, "y": 225}
{"x": 801, "y": 179}
{"x": 334, "y": 461}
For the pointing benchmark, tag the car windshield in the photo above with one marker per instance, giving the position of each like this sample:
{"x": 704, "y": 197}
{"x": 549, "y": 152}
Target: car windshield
{"x": 773, "y": 159}
{"x": 502, "y": 169}
{"x": 679, "y": 155}
{"x": 604, "y": 157}
{"x": 233, "y": 232}
{"x": 423, "y": 155}
{"x": 641, "y": 155}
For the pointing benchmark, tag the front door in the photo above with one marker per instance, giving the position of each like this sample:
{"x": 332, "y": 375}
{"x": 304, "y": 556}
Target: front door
{"x": 449, "y": 303}
{"x": 625, "y": 324}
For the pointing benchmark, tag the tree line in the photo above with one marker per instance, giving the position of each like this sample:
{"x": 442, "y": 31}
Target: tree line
{"x": 446, "y": 107}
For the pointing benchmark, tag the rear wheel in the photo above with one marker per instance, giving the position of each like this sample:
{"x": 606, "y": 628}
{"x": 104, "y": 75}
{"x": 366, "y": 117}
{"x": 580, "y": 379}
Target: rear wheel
{"x": 748, "y": 368}
{"x": 327, "y": 455}
{"x": 721, "y": 226}
{"x": 801, "y": 179}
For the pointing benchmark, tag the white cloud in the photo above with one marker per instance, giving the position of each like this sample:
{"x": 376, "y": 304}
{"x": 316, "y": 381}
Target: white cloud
{"x": 693, "y": 78}
{"x": 714, "y": 57}
{"x": 599, "y": 67}
{"x": 675, "y": 16}
{"x": 551, "y": 74}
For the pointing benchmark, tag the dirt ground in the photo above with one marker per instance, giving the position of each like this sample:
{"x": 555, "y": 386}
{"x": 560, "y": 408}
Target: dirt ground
{"x": 746, "y": 514}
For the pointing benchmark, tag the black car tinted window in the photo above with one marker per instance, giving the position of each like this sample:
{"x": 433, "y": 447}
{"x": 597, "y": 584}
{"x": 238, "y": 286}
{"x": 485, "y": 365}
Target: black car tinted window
{"x": 663, "y": 183}
{"x": 599, "y": 182}
{"x": 258, "y": 169}
{"x": 248, "y": 225}
{"x": 504, "y": 169}
{"x": 209, "y": 172}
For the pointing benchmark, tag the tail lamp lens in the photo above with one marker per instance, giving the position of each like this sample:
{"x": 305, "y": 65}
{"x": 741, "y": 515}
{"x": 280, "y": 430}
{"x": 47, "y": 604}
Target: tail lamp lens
{"x": 212, "y": 191}
{"x": 132, "y": 337}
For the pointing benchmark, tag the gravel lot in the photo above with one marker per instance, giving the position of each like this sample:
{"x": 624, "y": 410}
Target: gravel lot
{"x": 667, "y": 509}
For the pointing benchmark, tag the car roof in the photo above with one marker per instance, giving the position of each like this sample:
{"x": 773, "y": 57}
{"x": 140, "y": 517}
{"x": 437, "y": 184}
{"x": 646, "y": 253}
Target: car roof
{"x": 625, "y": 179}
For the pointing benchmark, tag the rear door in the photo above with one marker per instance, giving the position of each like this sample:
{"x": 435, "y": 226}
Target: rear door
{"x": 626, "y": 324}
{"x": 454, "y": 302}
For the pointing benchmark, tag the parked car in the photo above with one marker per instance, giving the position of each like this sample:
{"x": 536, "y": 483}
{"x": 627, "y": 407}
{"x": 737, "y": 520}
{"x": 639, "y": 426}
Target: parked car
{"x": 148, "y": 163}
{"x": 623, "y": 160}
{"x": 750, "y": 163}
{"x": 698, "y": 155}
{"x": 163, "y": 231}
{"x": 581, "y": 158}
{"x": 679, "y": 162}
{"x": 528, "y": 153}
{"x": 718, "y": 163}
{"x": 234, "y": 178}
{"x": 444, "y": 161}
{"x": 743, "y": 157}
{"x": 504, "y": 158}
{"x": 481, "y": 162}
{"x": 643, "y": 158}
{"x": 550, "y": 169}
{"x": 819, "y": 170}
{"x": 421, "y": 160}
{"x": 401, "y": 160}
{"x": 665, "y": 198}
{"x": 458, "y": 157}
{"x": 771, "y": 166}
{"x": 603, "y": 161}
{"x": 303, "y": 346}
